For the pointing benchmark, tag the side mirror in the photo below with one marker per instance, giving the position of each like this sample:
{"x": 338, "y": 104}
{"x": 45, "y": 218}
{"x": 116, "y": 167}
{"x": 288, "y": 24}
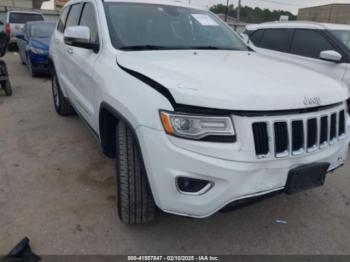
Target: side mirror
{"x": 331, "y": 56}
{"x": 20, "y": 36}
{"x": 1, "y": 22}
{"x": 79, "y": 36}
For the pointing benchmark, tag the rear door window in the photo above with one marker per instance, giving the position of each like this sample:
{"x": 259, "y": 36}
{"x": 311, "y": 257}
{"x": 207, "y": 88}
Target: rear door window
{"x": 74, "y": 15}
{"x": 309, "y": 43}
{"x": 276, "y": 39}
{"x": 22, "y": 18}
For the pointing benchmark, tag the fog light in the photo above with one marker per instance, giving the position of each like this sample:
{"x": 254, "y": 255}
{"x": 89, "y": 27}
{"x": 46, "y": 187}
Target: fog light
{"x": 193, "y": 186}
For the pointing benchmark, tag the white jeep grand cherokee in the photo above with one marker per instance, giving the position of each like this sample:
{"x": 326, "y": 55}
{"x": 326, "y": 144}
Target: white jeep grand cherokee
{"x": 196, "y": 121}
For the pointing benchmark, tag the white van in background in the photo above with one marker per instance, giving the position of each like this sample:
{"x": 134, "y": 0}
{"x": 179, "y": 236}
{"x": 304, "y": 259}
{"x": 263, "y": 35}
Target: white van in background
{"x": 15, "y": 21}
{"x": 321, "y": 47}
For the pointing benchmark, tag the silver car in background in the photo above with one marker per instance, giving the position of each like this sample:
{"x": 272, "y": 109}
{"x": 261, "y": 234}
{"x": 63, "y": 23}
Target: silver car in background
{"x": 15, "y": 21}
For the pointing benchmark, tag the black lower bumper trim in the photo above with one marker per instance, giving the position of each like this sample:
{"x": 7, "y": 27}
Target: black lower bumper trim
{"x": 249, "y": 201}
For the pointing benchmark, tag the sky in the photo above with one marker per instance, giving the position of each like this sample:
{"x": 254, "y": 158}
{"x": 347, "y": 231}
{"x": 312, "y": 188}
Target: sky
{"x": 290, "y": 5}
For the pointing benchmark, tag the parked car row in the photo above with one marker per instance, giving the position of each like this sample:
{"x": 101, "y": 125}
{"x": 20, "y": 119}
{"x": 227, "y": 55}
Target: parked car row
{"x": 195, "y": 119}
{"x": 31, "y": 33}
{"x": 33, "y": 46}
{"x": 15, "y": 21}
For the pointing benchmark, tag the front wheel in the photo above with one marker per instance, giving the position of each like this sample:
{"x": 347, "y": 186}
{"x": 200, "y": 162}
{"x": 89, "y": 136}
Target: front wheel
{"x": 7, "y": 88}
{"x": 62, "y": 105}
{"x": 135, "y": 200}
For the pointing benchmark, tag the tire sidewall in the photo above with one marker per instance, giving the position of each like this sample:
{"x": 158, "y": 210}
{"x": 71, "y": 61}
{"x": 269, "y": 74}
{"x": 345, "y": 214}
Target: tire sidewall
{"x": 30, "y": 67}
{"x": 8, "y": 88}
{"x": 53, "y": 81}
{"x": 118, "y": 171}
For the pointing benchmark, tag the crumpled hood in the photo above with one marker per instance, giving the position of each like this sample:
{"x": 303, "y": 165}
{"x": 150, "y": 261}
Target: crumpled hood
{"x": 235, "y": 80}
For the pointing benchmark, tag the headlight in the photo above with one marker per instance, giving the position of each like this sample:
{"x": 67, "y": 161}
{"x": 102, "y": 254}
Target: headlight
{"x": 37, "y": 50}
{"x": 208, "y": 128}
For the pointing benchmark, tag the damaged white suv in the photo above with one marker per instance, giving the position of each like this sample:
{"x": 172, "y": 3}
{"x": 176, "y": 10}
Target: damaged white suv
{"x": 196, "y": 121}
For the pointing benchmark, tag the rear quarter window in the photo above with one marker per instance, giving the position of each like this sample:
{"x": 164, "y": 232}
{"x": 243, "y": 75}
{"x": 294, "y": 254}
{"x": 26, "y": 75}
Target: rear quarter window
{"x": 256, "y": 36}
{"x": 22, "y": 18}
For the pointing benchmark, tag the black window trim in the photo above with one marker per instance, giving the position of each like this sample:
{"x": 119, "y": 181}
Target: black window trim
{"x": 96, "y": 20}
{"x": 64, "y": 27}
{"x": 70, "y": 9}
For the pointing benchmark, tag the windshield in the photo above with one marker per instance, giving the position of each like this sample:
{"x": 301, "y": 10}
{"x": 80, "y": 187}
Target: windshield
{"x": 343, "y": 36}
{"x": 42, "y": 30}
{"x": 135, "y": 26}
{"x": 22, "y": 18}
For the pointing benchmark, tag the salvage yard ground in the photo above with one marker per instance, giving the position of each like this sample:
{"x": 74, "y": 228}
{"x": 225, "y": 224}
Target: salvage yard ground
{"x": 57, "y": 188}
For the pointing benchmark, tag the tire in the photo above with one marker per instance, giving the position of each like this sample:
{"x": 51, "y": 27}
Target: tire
{"x": 7, "y": 88}
{"x": 30, "y": 68}
{"x": 135, "y": 200}
{"x": 62, "y": 105}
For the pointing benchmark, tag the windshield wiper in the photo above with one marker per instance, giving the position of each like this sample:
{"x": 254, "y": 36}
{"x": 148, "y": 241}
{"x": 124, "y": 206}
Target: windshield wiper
{"x": 144, "y": 47}
{"x": 158, "y": 47}
{"x": 209, "y": 47}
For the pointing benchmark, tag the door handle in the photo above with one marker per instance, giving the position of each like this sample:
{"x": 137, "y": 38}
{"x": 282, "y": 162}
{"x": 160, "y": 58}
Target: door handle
{"x": 70, "y": 51}
{"x": 57, "y": 41}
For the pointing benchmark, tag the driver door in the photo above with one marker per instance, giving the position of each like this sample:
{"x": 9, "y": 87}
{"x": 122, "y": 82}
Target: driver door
{"x": 81, "y": 67}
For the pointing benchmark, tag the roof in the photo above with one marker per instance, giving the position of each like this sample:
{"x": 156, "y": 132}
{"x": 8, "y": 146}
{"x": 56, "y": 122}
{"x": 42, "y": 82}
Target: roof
{"x": 25, "y": 12}
{"x": 182, "y": 3}
{"x": 299, "y": 24}
{"x": 41, "y": 22}
{"x": 311, "y": 7}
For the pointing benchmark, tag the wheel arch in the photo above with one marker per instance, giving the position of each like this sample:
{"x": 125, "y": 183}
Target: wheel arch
{"x": 108, "y": 119}
{"x": 51, "y": 65}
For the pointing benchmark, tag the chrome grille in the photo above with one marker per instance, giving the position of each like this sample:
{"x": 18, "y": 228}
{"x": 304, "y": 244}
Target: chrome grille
{"x": 294, "y": 137}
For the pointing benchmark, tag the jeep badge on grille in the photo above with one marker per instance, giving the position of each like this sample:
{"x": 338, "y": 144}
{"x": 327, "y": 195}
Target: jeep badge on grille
{"x": 309, "y": 101}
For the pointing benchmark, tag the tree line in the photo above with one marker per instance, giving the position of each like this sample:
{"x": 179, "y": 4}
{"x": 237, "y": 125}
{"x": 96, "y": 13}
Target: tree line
{"x": 252, "y": 15}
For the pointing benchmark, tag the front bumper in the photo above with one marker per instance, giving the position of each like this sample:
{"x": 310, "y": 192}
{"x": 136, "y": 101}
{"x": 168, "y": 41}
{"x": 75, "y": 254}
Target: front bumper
{"x": 40, "y": 63}
{"x": 233, "y": 180}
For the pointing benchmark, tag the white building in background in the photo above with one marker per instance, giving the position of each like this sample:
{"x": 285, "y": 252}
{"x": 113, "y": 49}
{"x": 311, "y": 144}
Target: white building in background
{"x": 36, "y": 4}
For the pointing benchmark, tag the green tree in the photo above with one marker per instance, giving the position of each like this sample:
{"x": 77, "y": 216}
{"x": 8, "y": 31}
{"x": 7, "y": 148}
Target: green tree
{"x": 252, "y": 15}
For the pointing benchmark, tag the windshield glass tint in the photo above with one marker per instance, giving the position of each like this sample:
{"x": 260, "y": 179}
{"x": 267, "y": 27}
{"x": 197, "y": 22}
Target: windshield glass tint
{"x": 22, "y": 18}
{"x": 343, "y": 36}
{"x": 136, "y": 26}
{"x": 42, "y": 30}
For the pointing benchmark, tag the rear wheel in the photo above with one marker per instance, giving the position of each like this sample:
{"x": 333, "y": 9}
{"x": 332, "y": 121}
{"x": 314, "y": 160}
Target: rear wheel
{"x": 135, "y": 200}
{"x": 7, "y": 88}
{"x": 62, "y": 105}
